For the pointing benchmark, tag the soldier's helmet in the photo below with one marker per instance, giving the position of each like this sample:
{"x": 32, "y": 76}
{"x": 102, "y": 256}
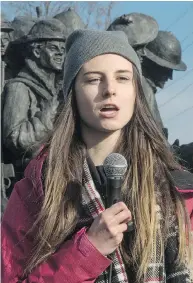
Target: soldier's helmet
{"x": 139, "y": 28}
{"x": 71, "y": 20}
{"x": 6, "y": 26}
{"x": 165, "y": 50}
{"x": 49, "y": 29}
{"x": 22, "y": 25}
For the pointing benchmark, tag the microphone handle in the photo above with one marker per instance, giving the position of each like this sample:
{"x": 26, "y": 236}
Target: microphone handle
{"x": 113, "y": 195}
{"x": 113, "y": 190}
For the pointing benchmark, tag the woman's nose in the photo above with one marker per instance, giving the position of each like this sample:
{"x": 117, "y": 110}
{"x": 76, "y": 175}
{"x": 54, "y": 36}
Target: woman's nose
{"x": 109, "y": 89}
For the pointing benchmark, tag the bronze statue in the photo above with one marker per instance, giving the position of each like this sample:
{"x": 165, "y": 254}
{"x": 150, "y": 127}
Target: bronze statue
{"x": 6, "y": 37}
{"x": 22, "y": 25}
{"x": 32, "y": 98}
{"x": 71, "y": 20}
{"x": 160, "y": 57}
{"x": 159, "y": 52}
{"x": 7, "y": 169}
{"x": 140, "y": 30}
{"x": 186, "y": 155}
{"x": 6, "y": 30}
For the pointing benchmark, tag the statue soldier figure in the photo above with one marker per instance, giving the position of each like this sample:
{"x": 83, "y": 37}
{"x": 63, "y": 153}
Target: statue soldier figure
{"x": 22, "y": 26}
{"x": 31, "y": 99}
{"x": 160, "y": 57}
{"x": 140, "y": 30}
{"x": 6, "y": 30}
{"x": 71, "y": 20}
{"x": 7, "y": 170}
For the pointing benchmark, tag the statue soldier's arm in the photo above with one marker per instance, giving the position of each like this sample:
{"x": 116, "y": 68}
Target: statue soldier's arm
{"x": 21, "y": 127}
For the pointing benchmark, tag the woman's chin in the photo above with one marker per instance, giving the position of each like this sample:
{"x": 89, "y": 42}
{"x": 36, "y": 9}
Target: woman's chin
{"x": 111, "y": 127}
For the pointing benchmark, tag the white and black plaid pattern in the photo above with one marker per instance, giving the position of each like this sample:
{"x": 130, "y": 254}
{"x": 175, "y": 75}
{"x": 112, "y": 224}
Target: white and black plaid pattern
{"x": 92, "y": 200}
{"x": 157, "y": 272}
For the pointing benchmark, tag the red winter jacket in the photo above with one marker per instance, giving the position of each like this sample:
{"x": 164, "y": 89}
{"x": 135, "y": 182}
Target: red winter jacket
{"x": 77, "y": 260}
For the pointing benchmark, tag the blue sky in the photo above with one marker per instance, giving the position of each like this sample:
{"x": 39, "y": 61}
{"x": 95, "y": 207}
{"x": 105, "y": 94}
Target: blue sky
{"x": 177, "y": 17}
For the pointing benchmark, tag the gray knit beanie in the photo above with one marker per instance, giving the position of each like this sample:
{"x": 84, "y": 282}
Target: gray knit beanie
{"x": 83, "y": 45}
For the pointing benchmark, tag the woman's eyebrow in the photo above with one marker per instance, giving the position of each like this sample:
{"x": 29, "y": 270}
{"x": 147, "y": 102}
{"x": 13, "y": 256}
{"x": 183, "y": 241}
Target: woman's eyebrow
{"x": 93, "y": 72}
{"x": 124, "y": 71}
{"x": 100, "y": 73}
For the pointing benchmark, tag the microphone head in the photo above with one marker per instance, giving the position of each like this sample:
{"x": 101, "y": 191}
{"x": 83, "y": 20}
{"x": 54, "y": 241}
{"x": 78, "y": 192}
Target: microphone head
{"x": 115, "y": 165}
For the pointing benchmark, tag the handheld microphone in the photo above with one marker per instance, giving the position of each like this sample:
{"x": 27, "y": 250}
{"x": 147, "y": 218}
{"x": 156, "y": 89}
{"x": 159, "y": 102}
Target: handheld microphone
{"x": 115, "y": 167}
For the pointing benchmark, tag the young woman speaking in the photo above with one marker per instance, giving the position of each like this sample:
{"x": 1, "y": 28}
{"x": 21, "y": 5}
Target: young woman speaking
{"x": 56, "y": 228}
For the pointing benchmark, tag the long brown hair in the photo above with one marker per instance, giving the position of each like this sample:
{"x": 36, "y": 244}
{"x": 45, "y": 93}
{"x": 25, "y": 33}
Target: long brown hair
{"x": 148, "y": 183}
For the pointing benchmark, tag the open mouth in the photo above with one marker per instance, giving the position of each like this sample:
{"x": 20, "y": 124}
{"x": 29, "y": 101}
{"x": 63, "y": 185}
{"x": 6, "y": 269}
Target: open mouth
{"x": 109, "y": 108}
{"x": 109, "y": 111}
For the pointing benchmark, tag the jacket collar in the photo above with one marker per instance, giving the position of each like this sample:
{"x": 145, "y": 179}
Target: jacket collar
{"x": 39, "y": 76}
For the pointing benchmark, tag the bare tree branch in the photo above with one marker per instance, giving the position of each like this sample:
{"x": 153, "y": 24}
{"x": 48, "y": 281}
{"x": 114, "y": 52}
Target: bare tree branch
{"x": 95, "y": 14}
{"x": 3, "y": 16}
{"x": 108, "y": 18}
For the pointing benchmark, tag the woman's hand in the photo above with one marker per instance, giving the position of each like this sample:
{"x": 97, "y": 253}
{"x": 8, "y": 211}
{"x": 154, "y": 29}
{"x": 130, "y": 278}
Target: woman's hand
{"x": 106, "y": 231}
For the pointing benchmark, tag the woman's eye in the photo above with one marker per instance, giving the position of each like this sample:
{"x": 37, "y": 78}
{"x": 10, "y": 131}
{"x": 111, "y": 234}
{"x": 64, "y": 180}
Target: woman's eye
{"x": 123, "y": 78}
{"x": 94, "y": 80}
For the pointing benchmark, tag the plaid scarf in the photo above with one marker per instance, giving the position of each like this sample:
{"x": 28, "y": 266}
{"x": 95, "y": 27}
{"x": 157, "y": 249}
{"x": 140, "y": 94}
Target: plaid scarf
{"x": 157, "y": 272}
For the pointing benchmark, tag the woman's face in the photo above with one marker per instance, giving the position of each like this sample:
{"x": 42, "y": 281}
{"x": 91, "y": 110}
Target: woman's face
{"x": 105, "y": 93}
